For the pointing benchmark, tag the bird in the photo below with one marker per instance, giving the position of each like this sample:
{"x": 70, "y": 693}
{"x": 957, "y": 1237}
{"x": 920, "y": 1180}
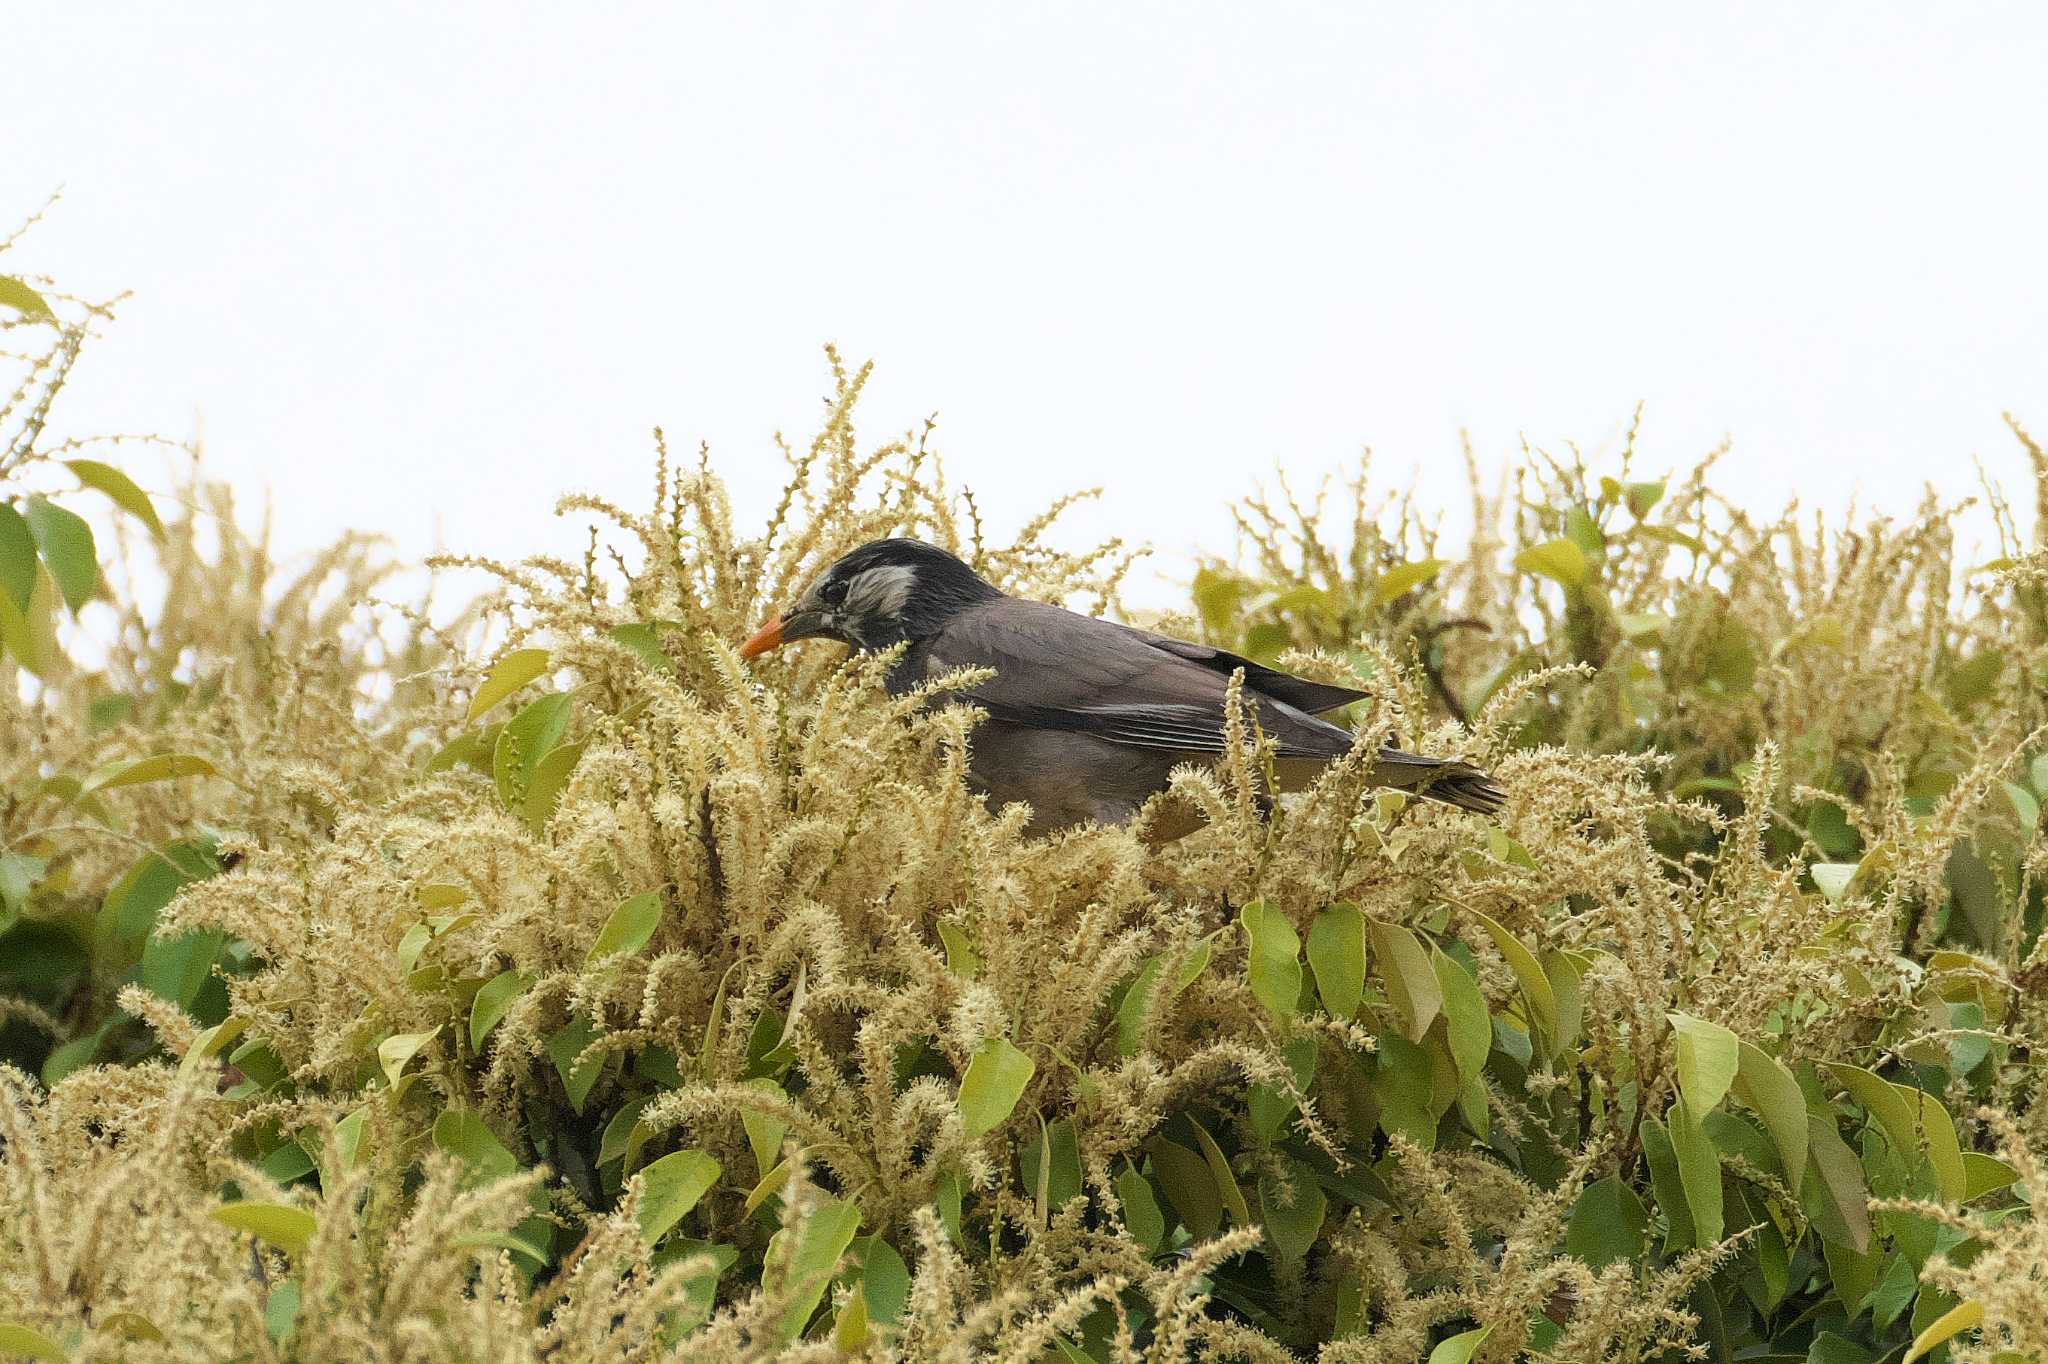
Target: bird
{"x": 1085, "y": 718}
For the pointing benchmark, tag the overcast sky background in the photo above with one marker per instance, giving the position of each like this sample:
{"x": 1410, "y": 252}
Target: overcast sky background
{"x": 420, "y": 268}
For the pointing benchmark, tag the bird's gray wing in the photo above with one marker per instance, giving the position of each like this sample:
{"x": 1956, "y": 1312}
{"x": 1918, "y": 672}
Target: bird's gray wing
{"x": 1055, "y": 669}
{"x": 1299, "y": 692}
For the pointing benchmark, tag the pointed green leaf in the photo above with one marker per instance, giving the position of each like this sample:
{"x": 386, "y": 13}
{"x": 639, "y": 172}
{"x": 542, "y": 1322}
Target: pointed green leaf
{"x": 1913, "y": 1121}
{"x": 394, "y": 1052}
{"x": 284, "y": 1225}
{"x": 527, "y": 738}
{"x": 1336, "y": 953}
{"x": 1460, "y": 1348}
{"x": 1404, "y": 968}
{"x": 1608, "y": 1223}
{"x": 1985, "y": 1174}
{"x": 67, "y": 548}
{"x": 463, "y": 1133}
{"x": 107, "y": 479}
{"x": 1274, "y": 962}
{"x": 1292, "y": 1226}
{"x": 630, "y": 926}
{"x": 1404, "y": 578}
{"x": 1832, "y": 878}
{"x": 994, "y": 1081}
{"x": 670, "y": 1187}
{"x": 1699, "y": 1171}
{"x": 512, "y": 672}
{"x": 491, "y": 1003}
{"x": 822, "y": 1240}
{"x": 16, "y": 1339}
{"x": 1189, "y": 1187}
{"x": 30, "y": 304}
{"x": 1142, "y": 1218}
{"x": 1835, "y": 1195}
{"x": 137, "y": 771}
{"x": 17, "y": 558}
{"x": 1528, "y": 974}
{"x": 1708, "y": 1058}
{"x": 1767, "y": 1089}
{"x": 1964, "y": 1316}
{"x": 1560, "y": 560}
{"x": 1469, "y": 1028}
{"x": 1221, "y": 1173}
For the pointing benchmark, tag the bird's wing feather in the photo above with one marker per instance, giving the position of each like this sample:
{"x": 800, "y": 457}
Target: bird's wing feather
{"x": 1299, "y": 692}
{"x": 1056, "y": 669}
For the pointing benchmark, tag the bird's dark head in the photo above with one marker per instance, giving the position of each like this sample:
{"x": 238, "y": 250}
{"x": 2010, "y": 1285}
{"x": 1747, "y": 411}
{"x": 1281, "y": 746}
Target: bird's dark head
{"x": 883, "y": 593}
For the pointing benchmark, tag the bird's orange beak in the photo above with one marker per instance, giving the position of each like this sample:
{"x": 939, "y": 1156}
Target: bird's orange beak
{"x": 762, "y": 640}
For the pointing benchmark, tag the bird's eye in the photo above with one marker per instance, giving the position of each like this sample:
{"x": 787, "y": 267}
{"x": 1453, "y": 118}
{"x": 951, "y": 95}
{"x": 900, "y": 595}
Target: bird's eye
{"x": 834, "y": 592}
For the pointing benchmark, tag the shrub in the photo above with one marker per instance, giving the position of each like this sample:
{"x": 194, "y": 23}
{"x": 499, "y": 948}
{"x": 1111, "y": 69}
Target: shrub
{"x": 559, "y": 986}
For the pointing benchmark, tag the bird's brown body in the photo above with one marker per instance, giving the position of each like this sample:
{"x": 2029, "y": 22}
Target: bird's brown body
{"x": 1086, "y": 718}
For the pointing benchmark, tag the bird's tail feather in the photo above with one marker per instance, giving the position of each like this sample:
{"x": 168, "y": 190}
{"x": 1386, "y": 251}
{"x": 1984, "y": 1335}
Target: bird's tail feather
{"x": 1450, "y": 780}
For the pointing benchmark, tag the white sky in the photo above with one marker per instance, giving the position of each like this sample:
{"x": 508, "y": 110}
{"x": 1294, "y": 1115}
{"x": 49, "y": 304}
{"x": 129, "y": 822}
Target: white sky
{"x": 421, "y": 267}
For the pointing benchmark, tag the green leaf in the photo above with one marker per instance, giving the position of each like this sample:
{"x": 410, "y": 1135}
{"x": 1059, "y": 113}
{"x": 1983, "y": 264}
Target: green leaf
{"x": 512, "y": 672}
{"x": 1561, "y": 560}
{"x": 1731, "y": 658}
{"x": 397, "y": 1050}
{"x": 1766, "y": 1088}
{"x": 1142, "y": 1218}
{"x": 1536, "y": 989}
{"x": 1662, "y": 1158}
{"x": 1270, "y": 1105}
{"x": 31, "y": 635}
{"x": 644, "y": 639}
{"x": 492, "y": 1002}
{"x": 1913, "y": 1121}
{"x": 1643, "y": 496}
{"x": 1274, "y": 963}
{"x": 1608, "y": 1223}
{"x": 463, "y": 1133}
{"x": 30, "y": 304}
{"x": 1964, "y": 1316}
{"x": 1699, "y": 1171}
{"x": 550, "y": 775}
{"x": 107, "y": 479}
{"x": 1835, "y": 1196}
{"x": 284, "y": 1225}
{"x": 527, "y": 738}
{"x": 1708, "y": 1058}
{"x": 619, "y": 1131}
{"x": 961, "y": 958}
{"x": 995, "y": 1080}
{"x": 568, "y": 1043}
{"x": 16, "y": 1339}
{"x": 884, "y": 1280}
{"x": 630, "y": 926}
{"x": 1985, "y": 1174}
{"x": 1460, "y": 1348}
{"x": 1468, "y": 1027}
{"x": 137, "y": 771}
{"x": 1336, "y": 953}
{"x": 1220, "y": 1172}
{"x": 1189, "y": 1187}
{"x": 670, "y": 1187}
{"x": 67, "y": 548}
{"x": 17, "y": 557}
{"x": 1405, "y": 969}
{"x": 1292, "y": 1227}
{"x": 1668, "y": 536}
{"x": 1218, "y": 597}
{"x": 1405, "y": 578}
{"x": 821, "y": 1240}
{"x": 764, "y": 1131}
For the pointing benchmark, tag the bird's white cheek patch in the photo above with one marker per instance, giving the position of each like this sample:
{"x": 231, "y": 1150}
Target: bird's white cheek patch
{"x": 881, "y": 592}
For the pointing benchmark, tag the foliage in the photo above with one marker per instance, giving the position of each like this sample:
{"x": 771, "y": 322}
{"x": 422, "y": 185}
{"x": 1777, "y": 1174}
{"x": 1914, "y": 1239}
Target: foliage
{"x": 554, "y": 985}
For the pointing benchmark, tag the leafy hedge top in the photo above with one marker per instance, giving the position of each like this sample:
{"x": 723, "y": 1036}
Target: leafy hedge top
{"x": 603, "y": 997}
